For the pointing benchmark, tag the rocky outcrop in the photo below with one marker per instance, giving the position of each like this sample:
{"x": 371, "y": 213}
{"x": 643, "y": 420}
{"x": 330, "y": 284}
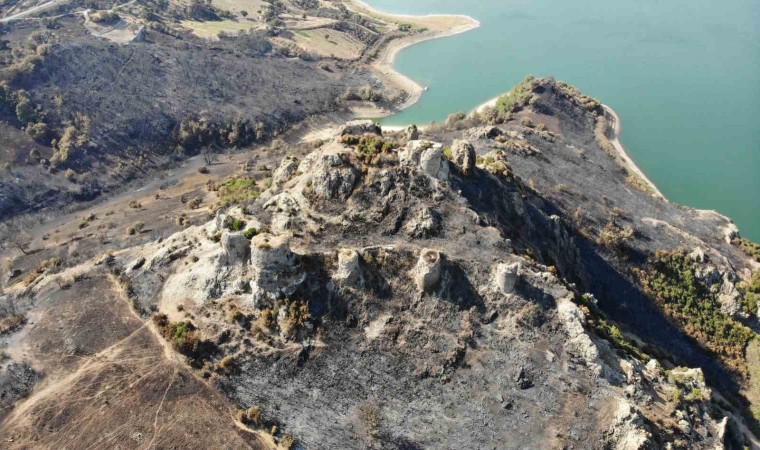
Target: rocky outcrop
{"x": 359, "y": 127}
{"x": 483, "y": 133}
{"x": 349, "y": 267}
{"x": 412, "y": 133}
{"x": 463, "y": 154}
{"x": 425, "y": 223}
{"x": 579, "y": 342}
{"x": 505, "y": 277}
{"x": 428, "y": 157}
{"x": 274, "y": 269}
{"x": 287, "y": 169}
{"x": 427, "y": 272}
{"x": 628, "y": 431}
{"x": 348, "y": 297}
{"x": 332, "y": 176}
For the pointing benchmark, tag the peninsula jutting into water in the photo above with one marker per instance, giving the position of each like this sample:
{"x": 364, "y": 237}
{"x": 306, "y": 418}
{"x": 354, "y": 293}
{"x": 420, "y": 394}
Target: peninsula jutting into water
{"x": 684, "y": 80}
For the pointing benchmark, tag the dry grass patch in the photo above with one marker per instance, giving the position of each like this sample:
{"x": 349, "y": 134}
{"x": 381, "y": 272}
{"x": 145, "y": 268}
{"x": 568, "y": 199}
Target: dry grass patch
{"x": 211, "y": 29}
{"x": 328, "y": 43}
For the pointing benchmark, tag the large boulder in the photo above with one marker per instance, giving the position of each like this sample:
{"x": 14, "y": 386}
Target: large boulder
{"x": 287, "y": 169}
{"x": 333, "y": 176}
{"x": 488, "y": 132}
{"x": 505, "y": 277}
{"x": 274, "y": 268}
{"x": 359, "y": 127}
{"x": 428, "y": 157}
{"x": 464, "y": 156}
{"x": 349, "y": 267}
{"x": 427, "y": 272}
{"x": 412, "y": 133}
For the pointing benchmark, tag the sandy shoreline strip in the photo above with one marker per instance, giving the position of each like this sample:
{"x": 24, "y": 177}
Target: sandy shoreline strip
{"x": 628, "y": 163}
{"x": 438, "y": 25}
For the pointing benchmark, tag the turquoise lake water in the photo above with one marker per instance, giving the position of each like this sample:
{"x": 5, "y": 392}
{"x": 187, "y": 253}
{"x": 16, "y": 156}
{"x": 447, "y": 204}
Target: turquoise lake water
{"x": 684, "y": 76}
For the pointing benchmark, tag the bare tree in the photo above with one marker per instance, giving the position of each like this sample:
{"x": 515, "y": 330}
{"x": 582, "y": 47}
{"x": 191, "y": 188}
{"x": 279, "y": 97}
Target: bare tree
{"x": 15, "y": 235}
{"x": 209, "y": 156}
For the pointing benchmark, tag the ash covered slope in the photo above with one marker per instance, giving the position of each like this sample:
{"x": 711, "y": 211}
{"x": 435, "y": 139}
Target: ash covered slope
{"x": 441, "y": 291}
{"x": 389, "y": 297}
{"x": 109, "y": 113}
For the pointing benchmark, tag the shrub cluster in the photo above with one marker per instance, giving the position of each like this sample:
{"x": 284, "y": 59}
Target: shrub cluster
{"x": 752, "y": 294}
{"x": 369, "y": 148}
{"x": 184, "y": 337}
{"x": 196, "y": 132}
{"x": 105, "y": 17}
{"x": 671, "y": 280}
{"x": 237, "y": 190}
{"x": 297, "y": 315}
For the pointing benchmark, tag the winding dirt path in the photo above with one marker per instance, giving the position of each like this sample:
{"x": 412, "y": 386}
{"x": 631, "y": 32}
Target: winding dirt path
{"x": 32, "y": 10}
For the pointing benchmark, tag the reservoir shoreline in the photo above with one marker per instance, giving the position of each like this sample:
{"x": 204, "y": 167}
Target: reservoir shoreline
{"x": 438, "y": 25}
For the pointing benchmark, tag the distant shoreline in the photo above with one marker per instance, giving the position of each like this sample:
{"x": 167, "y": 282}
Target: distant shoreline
{"x": 447, "y": 24}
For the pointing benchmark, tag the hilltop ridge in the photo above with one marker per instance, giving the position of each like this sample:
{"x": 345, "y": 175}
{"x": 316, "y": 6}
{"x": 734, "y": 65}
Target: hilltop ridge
{"x": 498, "y": 278}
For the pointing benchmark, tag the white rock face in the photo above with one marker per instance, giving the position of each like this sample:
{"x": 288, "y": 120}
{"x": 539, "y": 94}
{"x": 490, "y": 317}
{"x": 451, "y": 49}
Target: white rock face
{"x": 285, "y": 212}
{"x": 427, "y": 272}
{"x": 464, "y": 156}
{"x": 216, "y": 272}
{"x": 730, "y": 232}
{"x": 698, "y": 255}
{"x": 505, "y": 277}
{"x": 653, "y": 370}
{"x": 349, "y": 268}
{"x": 720, "y": 434}
{"x": 273, "y": 267}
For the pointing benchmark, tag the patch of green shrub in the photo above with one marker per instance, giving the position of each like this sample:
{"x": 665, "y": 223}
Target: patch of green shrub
{"x": 517, "y": 98}
{"x": 37, "y": 131}
{"x": 670, "y": 279}
{"x": 105, "y": 17}
{"x": 752, "y": 294}
{"x": 233, "y": 223}
{"x": 25, "y": 111}
{"x": 250, "y": 233}
{"x": 237, "y": 191}
{"x": 752, "y": 249}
